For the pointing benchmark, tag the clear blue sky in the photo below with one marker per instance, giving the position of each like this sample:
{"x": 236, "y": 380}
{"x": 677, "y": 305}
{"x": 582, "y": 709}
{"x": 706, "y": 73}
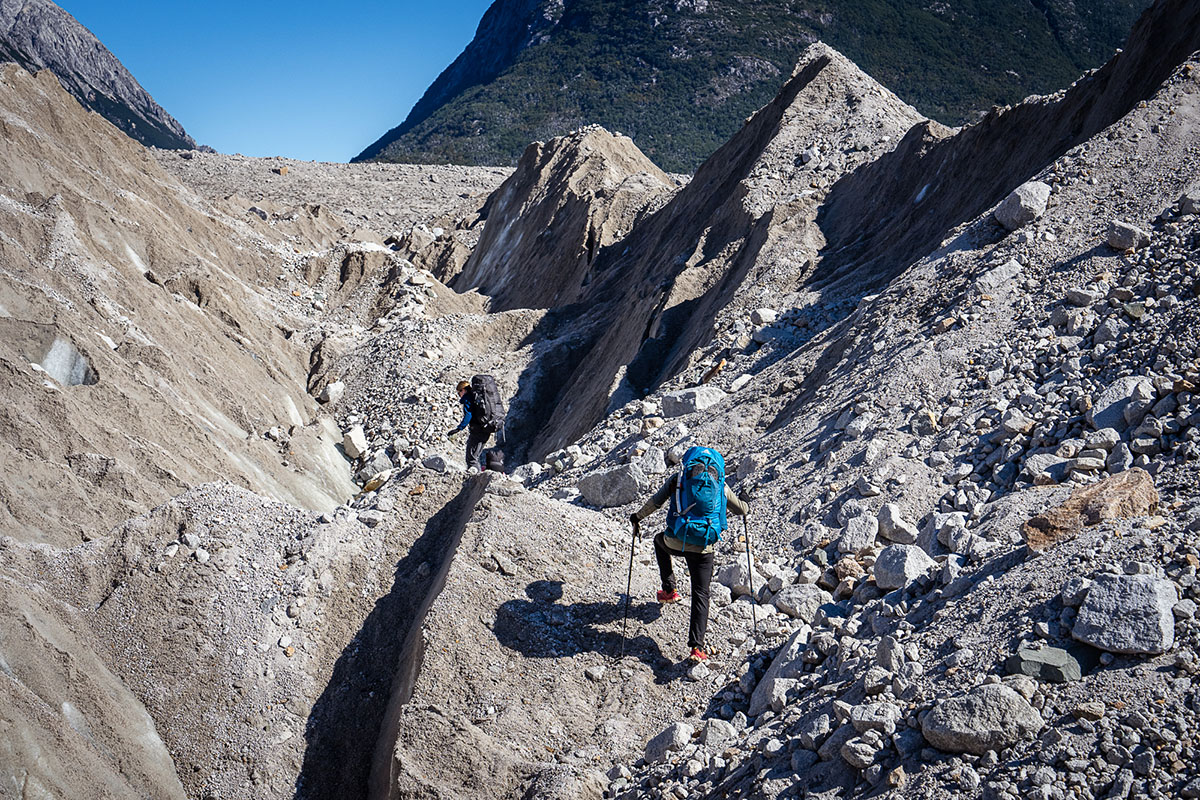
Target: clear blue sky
{"x": 302, "y": 79}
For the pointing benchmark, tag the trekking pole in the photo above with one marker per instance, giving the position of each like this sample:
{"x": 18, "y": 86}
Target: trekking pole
{"x": 628, "y": 588}
{"x": 750, "y": 569}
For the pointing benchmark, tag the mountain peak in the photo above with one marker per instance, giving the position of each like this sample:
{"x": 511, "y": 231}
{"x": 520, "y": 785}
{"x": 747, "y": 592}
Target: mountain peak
{"x": 37, "y": 34}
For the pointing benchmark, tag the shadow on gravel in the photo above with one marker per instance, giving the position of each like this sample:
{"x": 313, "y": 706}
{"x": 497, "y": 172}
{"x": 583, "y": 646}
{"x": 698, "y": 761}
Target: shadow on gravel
{"x": 541, "y": 627}
{"x": 375, "y": 673}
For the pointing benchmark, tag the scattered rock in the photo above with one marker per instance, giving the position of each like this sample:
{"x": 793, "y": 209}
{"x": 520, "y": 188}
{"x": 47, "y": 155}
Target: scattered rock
{"x": 1023, "y": 205}
{"x": 989, "y": 717}
{"x": 1048, "y": 664}
{"x": 672, "y": 739}
{"x": 686, "y": 401}
{"x": 355, "y": 442}
{"x": 1128, "y": 614}
{"x": 1121, "y": 496}
{"x": 616, "y": 486}
{"x": 1123, "y": 236}
{"x": 901, "y": 564}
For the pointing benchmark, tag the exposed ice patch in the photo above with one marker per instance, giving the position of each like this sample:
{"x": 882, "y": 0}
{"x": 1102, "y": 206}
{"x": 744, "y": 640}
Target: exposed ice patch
{"x": 921, "y": 194}
{"x": 67, "y": 365}
{"x": 135, "y": 258}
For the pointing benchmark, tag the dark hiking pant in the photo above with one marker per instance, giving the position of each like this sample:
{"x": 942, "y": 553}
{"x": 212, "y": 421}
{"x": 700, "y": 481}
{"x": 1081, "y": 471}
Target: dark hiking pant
{"x": 476, "y": 441}
{"x": 700, "y": 565}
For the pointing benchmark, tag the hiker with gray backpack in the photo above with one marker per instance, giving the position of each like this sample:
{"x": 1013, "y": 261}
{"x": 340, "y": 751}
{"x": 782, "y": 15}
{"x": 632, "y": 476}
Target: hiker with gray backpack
{"x": 483, "y": 415}
{"x": 696, "y": 519}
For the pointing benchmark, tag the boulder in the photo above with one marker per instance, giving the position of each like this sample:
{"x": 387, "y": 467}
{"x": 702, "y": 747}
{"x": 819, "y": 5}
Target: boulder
{"x": 894, "y": 527}
{"x": 881, "y": 717}
{"x": 1049, "y": 464}
{"x": 442, "y": 464}
{"x": 332, "y": 392}
{"x": 999, "y": 278}
{"x": 989, "y": 717}
{"x": 801, "y": 601}
{"x": 1189, "y": 203}
{"x": 859, "y": 534}
{"x": 672, "y": 739}
{"x": 901, "y": 564}
{"x": 717, "y": 733}
{"x": 1108, "y": 410}
{"x": 613, "y": 487}
{"x": 1023, "y": 205}
{"x": 686, "y": 401}
{"x": 1123, "y": 236}
{"x": 785, "y": 666}
{"x": 1047, "y": 664}
{"x": 377, "y": 463}
{"x": 735, "y": 576}
{"x": 1128, "y": 614}
{"x": 763, "y": 316}
{"x": 653, "y": 461}
{"x": 1127, "y": 494}
{"x": 527, "y": 472}
{"x": 355, "y": 442}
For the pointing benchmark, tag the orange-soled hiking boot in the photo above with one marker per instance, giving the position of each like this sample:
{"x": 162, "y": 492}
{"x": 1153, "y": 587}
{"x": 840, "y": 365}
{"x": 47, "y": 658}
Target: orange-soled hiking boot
{"x": 698, "y": 655}
{"x": 668, "y": 597}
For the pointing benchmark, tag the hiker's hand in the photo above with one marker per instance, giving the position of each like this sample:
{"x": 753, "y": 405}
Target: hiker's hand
{"x": 744, "y": 495}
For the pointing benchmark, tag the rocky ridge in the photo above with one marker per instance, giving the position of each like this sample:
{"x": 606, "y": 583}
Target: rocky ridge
{"x": 680, "y": 77}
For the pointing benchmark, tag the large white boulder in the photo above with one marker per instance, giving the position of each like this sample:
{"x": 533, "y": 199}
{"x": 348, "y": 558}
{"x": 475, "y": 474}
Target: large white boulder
{"x": 686, "y": 401}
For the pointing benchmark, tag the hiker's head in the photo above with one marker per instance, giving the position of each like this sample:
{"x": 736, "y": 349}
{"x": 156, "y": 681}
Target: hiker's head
{"x": 462, "y": 387}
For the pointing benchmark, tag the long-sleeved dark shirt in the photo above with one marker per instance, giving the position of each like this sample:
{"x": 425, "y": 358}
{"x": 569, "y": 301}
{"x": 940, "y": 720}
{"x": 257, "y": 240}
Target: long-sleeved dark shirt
{"x": 733, "y": 504}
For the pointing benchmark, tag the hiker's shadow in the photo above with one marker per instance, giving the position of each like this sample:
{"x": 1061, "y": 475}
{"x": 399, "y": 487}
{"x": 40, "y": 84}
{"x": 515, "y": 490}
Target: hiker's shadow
{"x": 544, "y": 627}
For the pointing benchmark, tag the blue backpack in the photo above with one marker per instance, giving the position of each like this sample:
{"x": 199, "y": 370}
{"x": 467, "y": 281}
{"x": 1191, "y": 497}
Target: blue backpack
{"x": 696, "y": 515}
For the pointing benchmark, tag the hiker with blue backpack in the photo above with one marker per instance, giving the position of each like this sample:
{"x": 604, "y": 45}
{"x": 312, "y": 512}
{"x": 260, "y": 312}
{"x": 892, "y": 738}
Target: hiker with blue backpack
{"x": 483, "y": 415}
{"x": 696, "y": 518}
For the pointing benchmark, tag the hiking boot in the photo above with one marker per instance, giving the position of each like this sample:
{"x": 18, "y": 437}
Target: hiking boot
{"x": 668, "y": 597}
{"x": 697, "y": 655}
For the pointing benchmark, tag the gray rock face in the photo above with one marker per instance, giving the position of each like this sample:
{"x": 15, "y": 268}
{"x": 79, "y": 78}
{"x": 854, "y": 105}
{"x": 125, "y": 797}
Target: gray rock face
{"x": 37, "y": 34}
{"x": 673, "y": 738}
{"x": 901, "y": 564}
{"x": 613, "y": 487}
{"x": 1128, "y": 614}
{"x": 989, "y": 717}
{"x": 686, "y": 401}
{"x": 1023, "y": 205}
{"x": 801, "y": 601}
